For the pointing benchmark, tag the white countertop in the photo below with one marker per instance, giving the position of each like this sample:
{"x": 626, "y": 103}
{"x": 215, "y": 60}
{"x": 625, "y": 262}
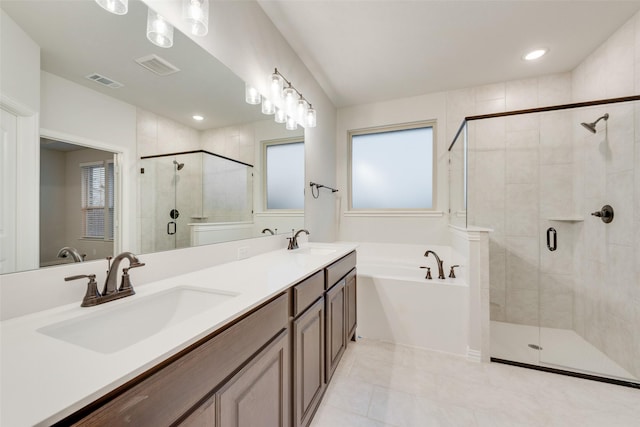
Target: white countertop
{"x": 44, "y": 379}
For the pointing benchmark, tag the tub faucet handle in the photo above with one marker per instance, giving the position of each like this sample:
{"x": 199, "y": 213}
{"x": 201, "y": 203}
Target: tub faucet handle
{"x": 452, "y": 274}
{"x": 428, "y": 276}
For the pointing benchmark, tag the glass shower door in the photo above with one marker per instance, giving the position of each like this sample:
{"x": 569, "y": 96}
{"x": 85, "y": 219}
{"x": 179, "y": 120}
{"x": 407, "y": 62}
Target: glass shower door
{"x": 588, "y": 290}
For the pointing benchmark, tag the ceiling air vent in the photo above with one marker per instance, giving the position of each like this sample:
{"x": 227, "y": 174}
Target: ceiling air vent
{"x": 105, "y": 81}
{"x": 157, "y": 65}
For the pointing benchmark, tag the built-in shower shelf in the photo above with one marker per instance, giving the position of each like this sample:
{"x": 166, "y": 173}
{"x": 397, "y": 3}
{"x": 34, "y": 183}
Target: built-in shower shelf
{"x": 567, "y": 218}
{"x": 198, "y": 217}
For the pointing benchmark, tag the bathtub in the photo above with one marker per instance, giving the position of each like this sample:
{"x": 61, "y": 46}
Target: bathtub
{"x": 397, "y": 304}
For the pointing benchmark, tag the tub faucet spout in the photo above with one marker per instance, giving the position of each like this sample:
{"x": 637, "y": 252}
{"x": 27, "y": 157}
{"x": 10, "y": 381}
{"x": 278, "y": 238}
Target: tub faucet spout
{"x": 439, "y": 261}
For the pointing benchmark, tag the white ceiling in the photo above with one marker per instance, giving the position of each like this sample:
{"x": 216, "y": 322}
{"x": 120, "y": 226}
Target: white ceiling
{"x": 78, "y": 38}
{"x": 367, "y": 51}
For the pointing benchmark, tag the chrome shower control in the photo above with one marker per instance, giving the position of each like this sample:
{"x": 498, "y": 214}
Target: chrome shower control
{"x": 605, "y": 214}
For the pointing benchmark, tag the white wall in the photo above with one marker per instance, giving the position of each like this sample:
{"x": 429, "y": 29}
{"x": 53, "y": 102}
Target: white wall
{"x": 20, "y": 65}
{"x": 73, "y": 113}
{"x": 20, "y": 87}
{"x": 52, "y": 204}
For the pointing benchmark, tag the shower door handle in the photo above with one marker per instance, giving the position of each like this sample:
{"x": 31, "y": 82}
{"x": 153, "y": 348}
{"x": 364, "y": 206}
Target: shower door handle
{"x": 552, "y": 239}
{"x": 169, "y": 232}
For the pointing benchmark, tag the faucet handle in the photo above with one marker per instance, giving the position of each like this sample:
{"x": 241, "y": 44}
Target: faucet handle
{"x": 428, "y": 276}
{"x": 92, "y": 294}
{"x": 452, "y": 274}
{"x": 290, "y": 245}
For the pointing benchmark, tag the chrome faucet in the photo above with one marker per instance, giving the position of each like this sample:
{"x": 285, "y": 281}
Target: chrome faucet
{"x": 440, "y": 263}
{"x": 110, "y": 291}
{"x": 72, "y": 252}
{"x": 293, "y": 241}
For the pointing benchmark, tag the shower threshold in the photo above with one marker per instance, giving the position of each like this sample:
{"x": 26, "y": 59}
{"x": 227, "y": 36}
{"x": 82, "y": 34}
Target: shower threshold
{"x": 562, "y": 349}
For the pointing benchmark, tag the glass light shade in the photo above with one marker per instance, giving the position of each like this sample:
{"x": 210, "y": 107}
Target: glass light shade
{"x": 196, "y": 14}
{"x": 301, "y": 110}
{"x": 276, "y": 83}
{"x": 118, "y": 7}
{"x": 281, "y": 116}
{"x": 251, "y": 95}
{"x": 268, "y": 107}
{"x": 292, "y": 124}
{"x": 310, "y": 120}
{"x": 159, "y": 31}
{"x": 290, "y": 97}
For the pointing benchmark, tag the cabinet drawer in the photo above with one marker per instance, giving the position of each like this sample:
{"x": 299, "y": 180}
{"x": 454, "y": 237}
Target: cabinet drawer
{"x": 339, "y": 269}
{"x": 307, "y": 291}
{"x": 170, "y": 392}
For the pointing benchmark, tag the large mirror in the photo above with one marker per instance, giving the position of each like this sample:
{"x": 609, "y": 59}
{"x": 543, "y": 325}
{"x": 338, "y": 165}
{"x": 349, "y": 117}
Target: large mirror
{"x": 193, "y": 182}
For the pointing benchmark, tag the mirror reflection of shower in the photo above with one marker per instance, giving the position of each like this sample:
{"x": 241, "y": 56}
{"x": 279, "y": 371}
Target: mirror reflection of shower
{"x": 591, "y": 127}
{"x": 179, "y": 166}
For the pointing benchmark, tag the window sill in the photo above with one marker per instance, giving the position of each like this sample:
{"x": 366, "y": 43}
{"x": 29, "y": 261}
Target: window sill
{"x": 405, "y": 214}
{"x": 284, "y": 212}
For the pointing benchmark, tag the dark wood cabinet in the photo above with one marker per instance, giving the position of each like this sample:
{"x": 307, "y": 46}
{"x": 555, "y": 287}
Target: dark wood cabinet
{"x": 351, "y": 305}
{"x": 308, "y": 363}
{"x": 258, "y": 395}
{"x": 203, "y": 416}
{"x": 336, "y": 340}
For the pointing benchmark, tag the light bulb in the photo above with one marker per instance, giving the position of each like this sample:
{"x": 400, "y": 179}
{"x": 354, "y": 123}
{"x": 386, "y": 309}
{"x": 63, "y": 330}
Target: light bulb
{"x": 310, "y": 120}
{"x": 280, "y": 116}
{"x": 289, "y": 96}
{"x": 196, "y": 14}
{"x": 301, "y": 110}
{"x": 118, "y": 7}
{"x": 292, "y": 124}
{"x": 268, "y": 107}
{"x": 251, "y": 95}
{"x": 276, "y": 83}
{"x": 159, "y": 31}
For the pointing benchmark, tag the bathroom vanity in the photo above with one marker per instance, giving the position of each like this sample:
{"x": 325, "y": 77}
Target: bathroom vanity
{"x": 263, "y": 355}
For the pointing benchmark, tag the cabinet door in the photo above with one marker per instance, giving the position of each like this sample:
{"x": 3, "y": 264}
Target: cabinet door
{"x": 336, "y": 330}
{"x": 203, "y": 416}
{"x": 350, "y": 292}
{"x": 259, "y": 394}
{"x": 308, "y": 363}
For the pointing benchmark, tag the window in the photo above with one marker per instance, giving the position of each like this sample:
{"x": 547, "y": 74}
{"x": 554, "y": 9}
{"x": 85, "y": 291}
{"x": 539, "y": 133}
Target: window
{"x": 284, "y": 175}
{"x": 393, "y": 167}
{"x": 97, "y": 200}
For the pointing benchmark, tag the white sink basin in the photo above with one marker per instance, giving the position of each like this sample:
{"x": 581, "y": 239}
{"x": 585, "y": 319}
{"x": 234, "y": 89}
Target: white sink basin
{"x": 115, "y": 328}
{"x": 314, "y": 250}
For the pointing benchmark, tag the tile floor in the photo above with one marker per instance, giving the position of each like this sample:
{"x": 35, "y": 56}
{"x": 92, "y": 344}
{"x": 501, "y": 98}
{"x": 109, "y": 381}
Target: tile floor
{"x": 380, "y": 384}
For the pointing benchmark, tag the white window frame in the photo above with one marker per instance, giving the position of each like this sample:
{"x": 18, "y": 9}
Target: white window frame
{"x": 422, "y": 212}
{"x": 265, "y": 144}
{"x": 105, "y": 209}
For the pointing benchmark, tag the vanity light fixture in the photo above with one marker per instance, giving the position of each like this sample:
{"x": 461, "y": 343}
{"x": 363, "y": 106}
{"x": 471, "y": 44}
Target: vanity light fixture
{"x": 118, "y": 7}
{"x": 159, "y": 31}
{"x": 198, "y": 118}
{"x": 251, "y": 95}
{"x": 535, "y": 54}
{"x": 196, "y": 14}
{"x": 289, "y": 103}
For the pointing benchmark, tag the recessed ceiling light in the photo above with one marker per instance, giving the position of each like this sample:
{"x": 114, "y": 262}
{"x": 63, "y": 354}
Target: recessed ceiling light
{"x": 535, "y": 54}
{"x": 198, "y": 118}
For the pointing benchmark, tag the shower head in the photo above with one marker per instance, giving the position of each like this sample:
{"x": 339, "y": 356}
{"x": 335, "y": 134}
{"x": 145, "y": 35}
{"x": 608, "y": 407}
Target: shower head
{"x": 591, "y": 127}
{"x": 179, "y": 165}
